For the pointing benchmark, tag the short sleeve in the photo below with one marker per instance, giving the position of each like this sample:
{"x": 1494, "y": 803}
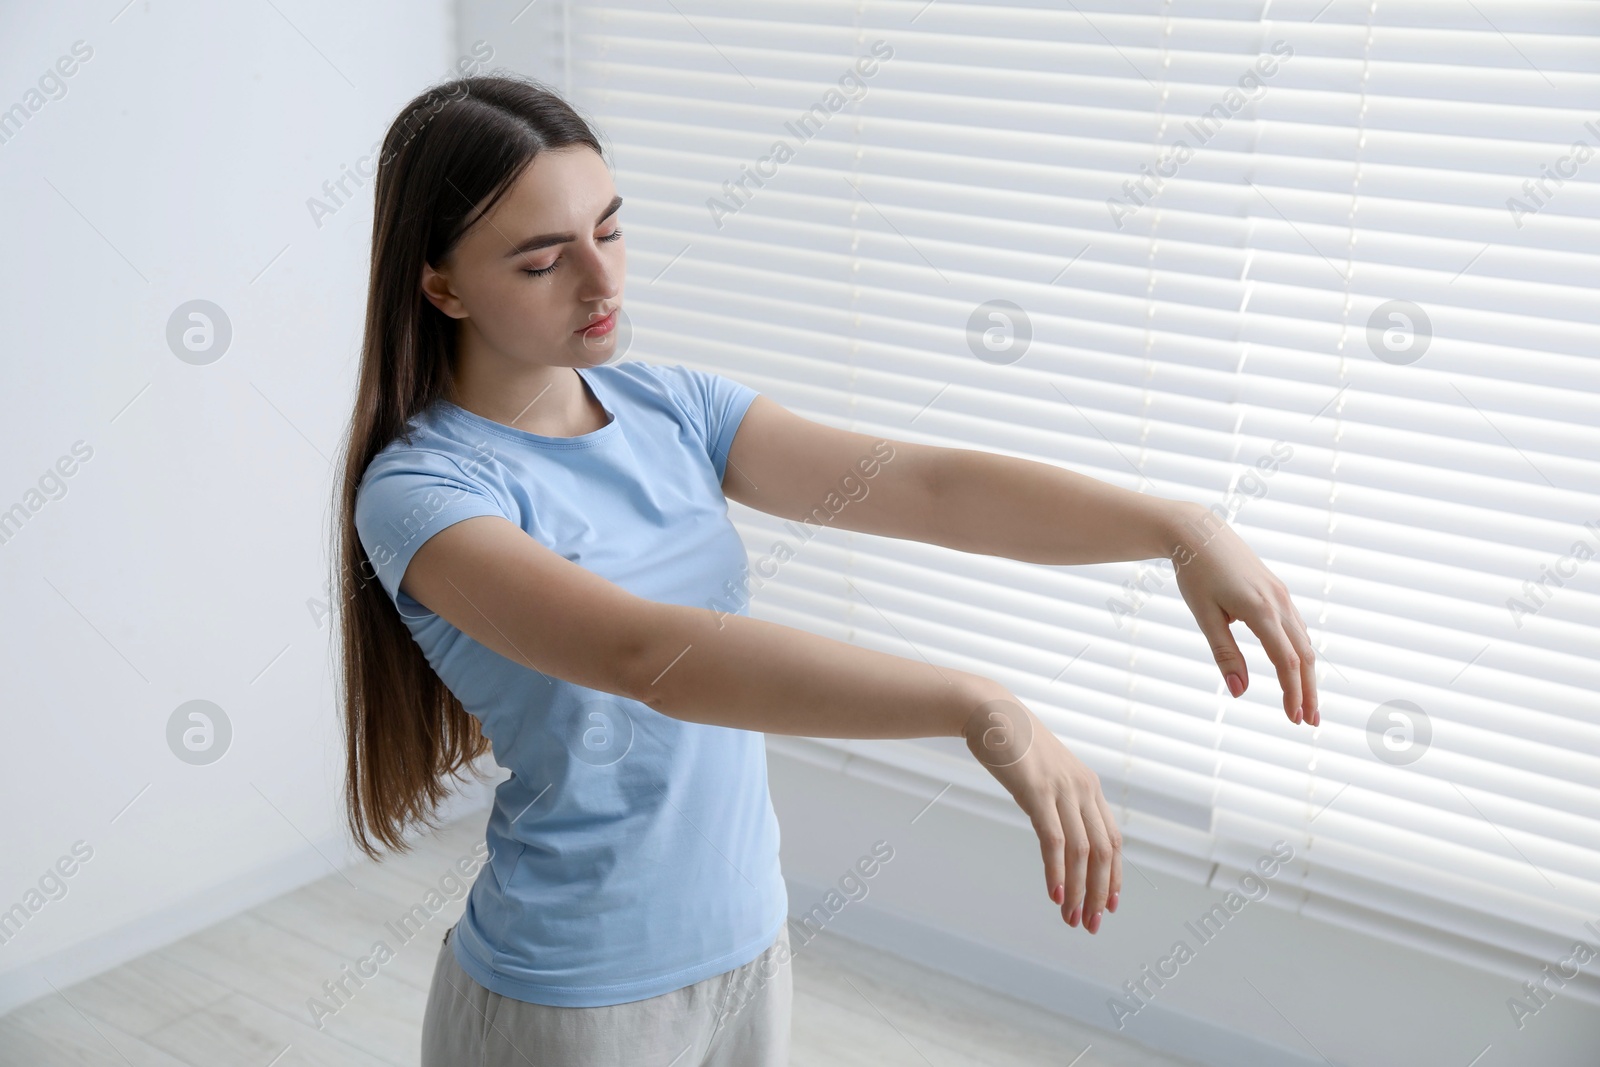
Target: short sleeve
{"x": 716, "y": 404}
{"x": 406, "y": 497}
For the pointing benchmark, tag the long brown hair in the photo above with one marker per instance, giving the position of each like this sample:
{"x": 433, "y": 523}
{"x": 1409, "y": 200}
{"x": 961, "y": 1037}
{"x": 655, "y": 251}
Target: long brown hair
{"x": 448, "y": 157}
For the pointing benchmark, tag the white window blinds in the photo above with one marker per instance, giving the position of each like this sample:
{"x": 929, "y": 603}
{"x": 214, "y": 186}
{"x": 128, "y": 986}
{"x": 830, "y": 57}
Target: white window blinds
{"x": 1328, "y": 267}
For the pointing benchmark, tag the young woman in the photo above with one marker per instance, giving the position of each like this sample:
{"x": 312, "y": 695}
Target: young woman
{"x": 548, "y": 530}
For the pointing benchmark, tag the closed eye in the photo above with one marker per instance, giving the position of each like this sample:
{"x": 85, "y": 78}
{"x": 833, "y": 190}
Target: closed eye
{"x": 612, "y": 236}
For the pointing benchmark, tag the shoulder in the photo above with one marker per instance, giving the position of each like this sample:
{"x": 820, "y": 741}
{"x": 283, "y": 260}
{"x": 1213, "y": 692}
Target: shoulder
{"x": 425, "y": 470}
{"x": 408, "y": 493}
{"x": 428, "y": 445}
{"x": 429, "y": 459}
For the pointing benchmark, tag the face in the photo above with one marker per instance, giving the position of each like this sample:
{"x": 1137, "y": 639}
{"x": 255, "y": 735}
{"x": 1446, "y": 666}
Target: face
{"x": 543, "y": 264}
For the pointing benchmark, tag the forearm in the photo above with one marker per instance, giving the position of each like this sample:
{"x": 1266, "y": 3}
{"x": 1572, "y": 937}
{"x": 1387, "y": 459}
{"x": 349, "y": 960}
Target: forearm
{"x": 1039, "y": 513}
{"x": 731, "y": 670}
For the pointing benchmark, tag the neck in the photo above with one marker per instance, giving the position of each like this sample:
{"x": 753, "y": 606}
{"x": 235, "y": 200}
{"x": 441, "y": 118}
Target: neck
{"x": 538, "y": 398}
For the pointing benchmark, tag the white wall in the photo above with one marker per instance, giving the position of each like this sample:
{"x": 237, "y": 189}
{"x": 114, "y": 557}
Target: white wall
{"x": 185, "y": 556}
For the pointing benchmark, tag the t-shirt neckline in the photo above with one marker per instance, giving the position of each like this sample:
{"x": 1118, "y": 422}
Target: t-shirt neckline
{"x": 539, "y": 440}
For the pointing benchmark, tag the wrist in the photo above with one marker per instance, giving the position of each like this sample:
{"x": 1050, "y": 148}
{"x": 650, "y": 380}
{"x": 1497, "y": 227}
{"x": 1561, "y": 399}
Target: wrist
{"x": 1000, "y": 730}
{"x": 974, "y": 695}
{"x": 1182, "y": 529}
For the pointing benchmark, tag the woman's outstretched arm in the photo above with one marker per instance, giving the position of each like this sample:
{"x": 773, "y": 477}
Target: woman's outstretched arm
{"x": 998, "y": 505}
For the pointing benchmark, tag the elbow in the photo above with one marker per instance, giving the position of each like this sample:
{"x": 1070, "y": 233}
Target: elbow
{"x": 640, "y": 686}
{"x": 642, "y": 656}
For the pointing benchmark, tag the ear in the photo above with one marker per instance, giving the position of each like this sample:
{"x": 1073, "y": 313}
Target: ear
{"x": 436, "y": 287}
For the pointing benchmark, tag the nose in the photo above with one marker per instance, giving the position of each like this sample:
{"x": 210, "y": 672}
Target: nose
{"x": 602, "y": 271}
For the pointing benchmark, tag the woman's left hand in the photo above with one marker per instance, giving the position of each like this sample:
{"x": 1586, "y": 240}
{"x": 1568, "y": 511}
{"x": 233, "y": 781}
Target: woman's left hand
{"x": 1223, "y": 581}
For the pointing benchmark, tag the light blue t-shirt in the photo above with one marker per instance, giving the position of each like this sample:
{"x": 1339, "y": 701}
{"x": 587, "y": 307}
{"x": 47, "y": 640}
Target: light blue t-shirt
{"x": 631, "y": 853}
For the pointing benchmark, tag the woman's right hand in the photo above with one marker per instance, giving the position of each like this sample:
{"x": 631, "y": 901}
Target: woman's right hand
{"x": 1078, "y": 838}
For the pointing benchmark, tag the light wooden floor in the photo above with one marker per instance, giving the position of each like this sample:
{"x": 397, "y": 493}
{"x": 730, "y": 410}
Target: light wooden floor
{"x": 236, "y": 994}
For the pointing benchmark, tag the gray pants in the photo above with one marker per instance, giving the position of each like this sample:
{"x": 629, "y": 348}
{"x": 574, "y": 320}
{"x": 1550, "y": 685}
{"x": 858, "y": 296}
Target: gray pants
{"x": 739, "y": 1018}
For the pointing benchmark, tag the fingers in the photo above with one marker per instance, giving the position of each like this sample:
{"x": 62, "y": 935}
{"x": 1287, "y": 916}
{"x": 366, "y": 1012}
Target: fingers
{"x": 1098, "y": 883}
{"x": 1076, "y": 847}
{"x": 1301, "y": 640}
{"x": 1047, "y": 826}
{"x": 1268, "y": 625}
{"x": 1274, "y": 619}
{"x": 1230, "y": 661}
{"x": 1114, "y": 889}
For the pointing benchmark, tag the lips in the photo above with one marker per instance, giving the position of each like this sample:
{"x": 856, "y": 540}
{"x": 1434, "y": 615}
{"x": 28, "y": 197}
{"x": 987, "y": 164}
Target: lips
{"x": 599, "y": 327}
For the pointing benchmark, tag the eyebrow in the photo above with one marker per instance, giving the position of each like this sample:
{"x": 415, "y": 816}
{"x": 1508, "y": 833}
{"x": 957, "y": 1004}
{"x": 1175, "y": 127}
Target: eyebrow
{"x": 535, "y": 243}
